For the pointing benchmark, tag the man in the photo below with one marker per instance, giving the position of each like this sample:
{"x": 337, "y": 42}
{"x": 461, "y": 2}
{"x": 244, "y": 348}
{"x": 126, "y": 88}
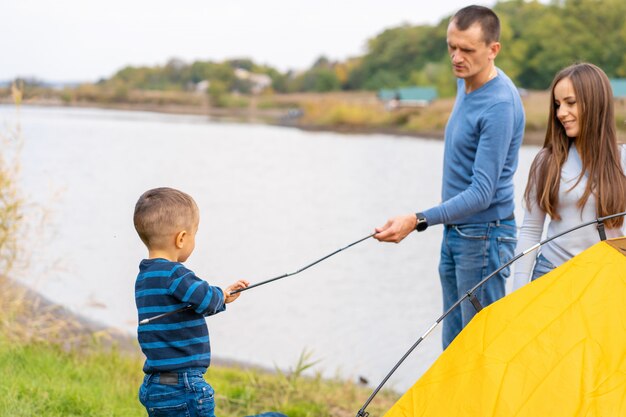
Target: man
{"x": 482, "y": 140}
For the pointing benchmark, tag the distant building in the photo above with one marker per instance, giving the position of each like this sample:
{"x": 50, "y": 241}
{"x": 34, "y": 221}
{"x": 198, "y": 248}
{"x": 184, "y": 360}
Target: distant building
{"x": 417, "y": 96}
{"x": 259, "y": 82}
{"x": 407, "y": 97}
{"x": 387, "y": 95}
{"x": 619, "y": 87}
{"x": 202, "y": 87}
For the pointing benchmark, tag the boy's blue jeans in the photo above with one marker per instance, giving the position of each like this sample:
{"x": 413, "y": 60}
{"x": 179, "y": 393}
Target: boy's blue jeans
{"x": 191, "y": 396}
{"x": 469, "y": 253}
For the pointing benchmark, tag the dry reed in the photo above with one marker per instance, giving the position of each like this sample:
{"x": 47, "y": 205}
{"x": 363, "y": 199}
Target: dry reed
{"x": 26, "y": 316}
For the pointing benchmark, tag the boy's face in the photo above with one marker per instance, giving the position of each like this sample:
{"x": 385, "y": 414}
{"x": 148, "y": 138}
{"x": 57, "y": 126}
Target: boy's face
{"x": 190, "y": 243}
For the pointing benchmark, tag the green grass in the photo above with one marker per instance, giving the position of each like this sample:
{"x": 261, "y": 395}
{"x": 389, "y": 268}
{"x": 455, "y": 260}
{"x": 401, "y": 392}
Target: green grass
{"x": 43, "y": 379}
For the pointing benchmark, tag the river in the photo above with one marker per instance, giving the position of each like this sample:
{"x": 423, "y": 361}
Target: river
{"x": 271, "y": 201}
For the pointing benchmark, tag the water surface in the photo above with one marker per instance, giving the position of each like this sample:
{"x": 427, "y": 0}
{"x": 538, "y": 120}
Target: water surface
{"x": 271, "y": 201}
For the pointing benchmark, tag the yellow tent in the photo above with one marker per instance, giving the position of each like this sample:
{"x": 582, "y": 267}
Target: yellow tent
{"x": 556, "y": 347}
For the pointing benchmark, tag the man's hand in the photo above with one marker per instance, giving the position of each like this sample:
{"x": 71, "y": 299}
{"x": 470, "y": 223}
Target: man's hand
{"x": 396, "y": 228}
{"x": 228, "y": 298}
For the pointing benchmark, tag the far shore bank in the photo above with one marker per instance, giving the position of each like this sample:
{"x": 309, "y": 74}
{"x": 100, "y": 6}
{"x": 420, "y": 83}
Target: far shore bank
{"x": 272, "y": 116}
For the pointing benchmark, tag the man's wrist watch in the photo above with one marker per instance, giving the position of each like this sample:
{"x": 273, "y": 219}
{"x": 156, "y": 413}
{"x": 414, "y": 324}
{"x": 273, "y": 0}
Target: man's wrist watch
{"x": 421, "y": 224}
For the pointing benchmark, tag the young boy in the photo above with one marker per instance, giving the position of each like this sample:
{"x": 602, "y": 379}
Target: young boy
{"x": 176, "y": 346}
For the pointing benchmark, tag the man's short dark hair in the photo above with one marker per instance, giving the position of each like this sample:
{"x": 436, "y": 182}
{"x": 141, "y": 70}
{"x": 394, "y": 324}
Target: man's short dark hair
{"x": 484, "y": 16}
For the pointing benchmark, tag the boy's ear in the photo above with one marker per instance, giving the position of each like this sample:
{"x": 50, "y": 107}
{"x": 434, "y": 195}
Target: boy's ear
{"x": 180, "y": 239}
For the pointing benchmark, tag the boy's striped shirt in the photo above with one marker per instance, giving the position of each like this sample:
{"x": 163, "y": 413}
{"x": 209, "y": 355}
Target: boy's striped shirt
{"x": 180, "y": 340}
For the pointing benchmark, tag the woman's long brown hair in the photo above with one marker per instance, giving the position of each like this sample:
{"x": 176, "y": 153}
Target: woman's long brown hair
{"x": 596, "y": 144}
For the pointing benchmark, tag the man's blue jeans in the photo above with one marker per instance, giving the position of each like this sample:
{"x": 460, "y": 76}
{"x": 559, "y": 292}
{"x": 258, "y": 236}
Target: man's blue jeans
{"x": 469, "y": 253}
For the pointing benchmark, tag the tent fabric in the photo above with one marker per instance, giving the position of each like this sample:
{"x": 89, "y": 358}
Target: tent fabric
{"x": 555, "y": 347}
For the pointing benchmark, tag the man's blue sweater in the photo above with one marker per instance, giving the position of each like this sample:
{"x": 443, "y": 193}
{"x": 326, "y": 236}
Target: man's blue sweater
{"x": 482, "y": 141}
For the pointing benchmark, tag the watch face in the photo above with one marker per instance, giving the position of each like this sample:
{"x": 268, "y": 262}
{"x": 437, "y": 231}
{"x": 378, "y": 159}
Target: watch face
{"x": 422, "y": 224}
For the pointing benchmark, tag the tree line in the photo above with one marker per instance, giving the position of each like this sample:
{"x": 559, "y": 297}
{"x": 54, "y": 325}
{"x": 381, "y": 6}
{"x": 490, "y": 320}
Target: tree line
{"x": 538, "y": 39}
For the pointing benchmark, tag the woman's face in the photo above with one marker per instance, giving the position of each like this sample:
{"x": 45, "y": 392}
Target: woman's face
{"x": 566, "y": 107}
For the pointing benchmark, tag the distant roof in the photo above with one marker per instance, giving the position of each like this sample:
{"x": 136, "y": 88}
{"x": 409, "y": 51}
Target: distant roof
{"x": 426, "y": 94}
{"x": 619, "y": 87}
{"x": 385, "y": 94}
{"x": 417, "y": 93}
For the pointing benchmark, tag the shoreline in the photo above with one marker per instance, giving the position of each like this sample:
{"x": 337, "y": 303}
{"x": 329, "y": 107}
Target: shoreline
{"x": 271, "y": 117}
{"x": 74, "y": 331}
{"x": 41, "y": 315}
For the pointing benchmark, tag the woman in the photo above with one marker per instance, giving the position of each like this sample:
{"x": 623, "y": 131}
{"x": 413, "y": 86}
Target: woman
{"x": 577, "y": 177}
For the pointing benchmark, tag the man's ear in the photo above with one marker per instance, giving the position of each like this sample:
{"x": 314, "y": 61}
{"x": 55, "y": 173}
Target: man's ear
{"x": 494, "y": 49}
{"x": 180, "y": 239}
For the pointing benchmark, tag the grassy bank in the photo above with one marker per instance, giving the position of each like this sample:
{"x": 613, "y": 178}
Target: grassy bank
{"x": 53, "y": 364}
{"x": 41, "y": 379}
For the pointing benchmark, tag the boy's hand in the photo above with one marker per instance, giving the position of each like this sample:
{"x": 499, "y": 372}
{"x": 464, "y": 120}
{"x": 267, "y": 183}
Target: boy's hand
{"x": 228, "y": 298}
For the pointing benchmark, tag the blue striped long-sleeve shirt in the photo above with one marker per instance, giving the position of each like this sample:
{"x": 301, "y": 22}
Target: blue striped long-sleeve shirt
{"x": 180, "y": 340}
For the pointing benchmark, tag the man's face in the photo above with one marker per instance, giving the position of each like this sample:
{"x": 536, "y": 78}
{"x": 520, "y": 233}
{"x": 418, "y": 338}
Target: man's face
{"x": 469, "y": 53}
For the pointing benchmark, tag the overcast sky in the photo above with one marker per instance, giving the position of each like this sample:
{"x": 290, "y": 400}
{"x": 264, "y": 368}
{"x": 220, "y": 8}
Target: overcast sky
{"x": 84, "y": 40}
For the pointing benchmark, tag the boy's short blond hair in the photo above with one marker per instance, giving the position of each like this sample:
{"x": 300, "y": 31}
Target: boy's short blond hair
{"x": 160, "y": 213}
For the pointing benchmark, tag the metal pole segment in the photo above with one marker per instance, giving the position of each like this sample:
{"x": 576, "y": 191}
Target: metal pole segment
{"x": 259, "y": 283}
{"x": 303, "y": 269}
{"x": 160, "y": 316}
{"x": 430, "y": 329}
{"x": 532, "y": 248}
{"x": 380, "y": 386}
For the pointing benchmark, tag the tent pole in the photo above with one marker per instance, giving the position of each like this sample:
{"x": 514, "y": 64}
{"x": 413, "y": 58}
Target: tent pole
{"x": 600, "y": 225}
